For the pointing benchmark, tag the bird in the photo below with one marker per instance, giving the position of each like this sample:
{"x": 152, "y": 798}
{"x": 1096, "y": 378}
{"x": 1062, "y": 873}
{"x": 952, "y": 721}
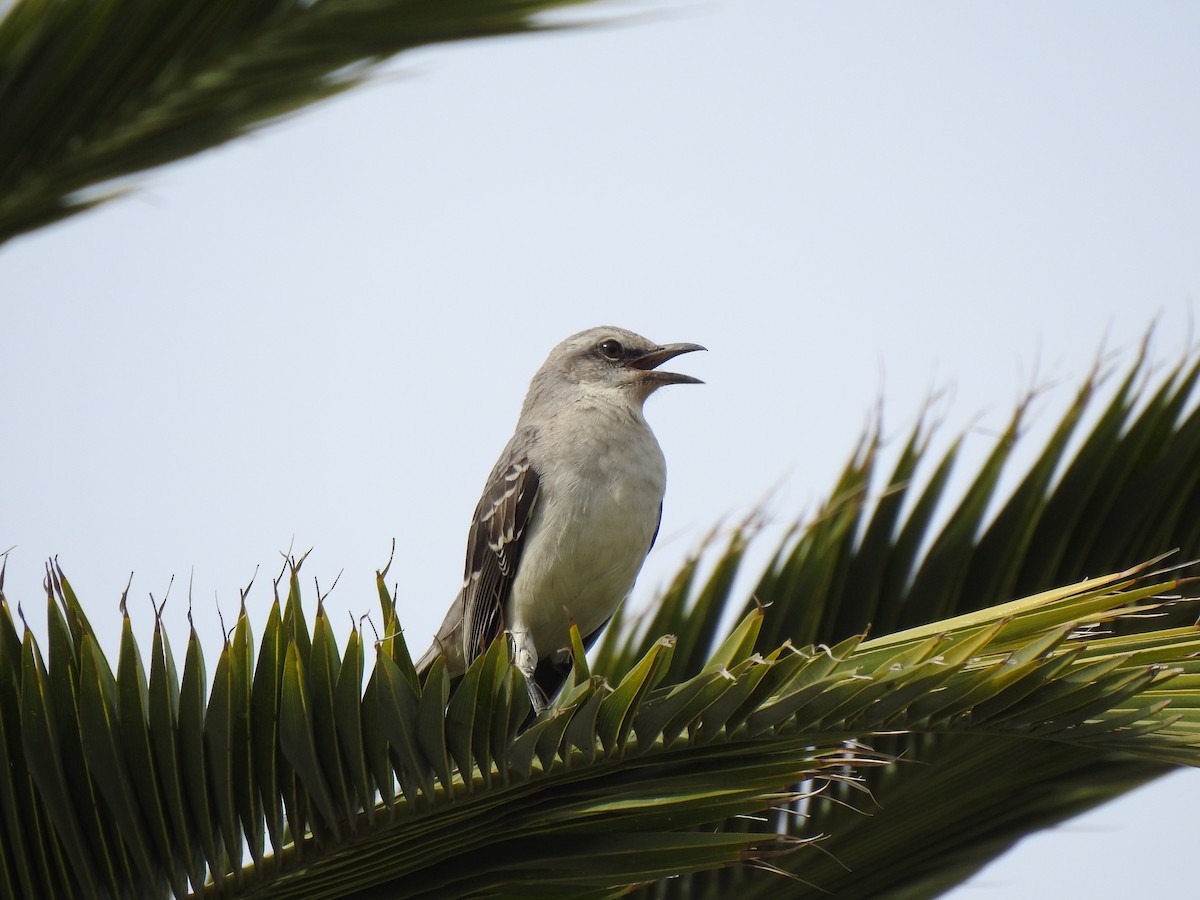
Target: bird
{"x": 568, "y": 513}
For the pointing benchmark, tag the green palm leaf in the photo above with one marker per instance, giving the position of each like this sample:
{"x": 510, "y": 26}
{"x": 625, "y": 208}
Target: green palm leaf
{"x": 94, "y": 90}
{"x": 858, "y": 567}
{"x": 671, "y": 759}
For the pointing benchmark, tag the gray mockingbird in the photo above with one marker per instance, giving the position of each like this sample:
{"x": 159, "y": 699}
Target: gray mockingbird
{"x": 569, "y": 512}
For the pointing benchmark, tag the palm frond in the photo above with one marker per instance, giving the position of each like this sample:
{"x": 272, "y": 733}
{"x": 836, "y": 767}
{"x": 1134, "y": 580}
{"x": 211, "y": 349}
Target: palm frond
{"x": 1131, "y": 489}
{"x": 604, "y": 790}
{"x": 664, "y": 764}
{"x": 95, "y": 91}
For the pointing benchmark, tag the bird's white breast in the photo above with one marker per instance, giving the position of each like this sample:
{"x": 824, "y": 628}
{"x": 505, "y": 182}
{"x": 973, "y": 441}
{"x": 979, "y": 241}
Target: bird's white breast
{"x": 597, "y": 511}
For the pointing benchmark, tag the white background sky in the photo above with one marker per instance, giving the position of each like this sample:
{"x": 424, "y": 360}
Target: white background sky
{"x": 322, "y": 334}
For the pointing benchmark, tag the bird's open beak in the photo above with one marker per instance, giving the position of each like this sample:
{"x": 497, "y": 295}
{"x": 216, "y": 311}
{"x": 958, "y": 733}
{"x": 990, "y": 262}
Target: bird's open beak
{"x": 650, "y": 361}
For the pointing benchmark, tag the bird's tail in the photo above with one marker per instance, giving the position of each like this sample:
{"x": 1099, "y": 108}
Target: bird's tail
{"x": 427, "y": 658}
{"x": 447, "y": 643}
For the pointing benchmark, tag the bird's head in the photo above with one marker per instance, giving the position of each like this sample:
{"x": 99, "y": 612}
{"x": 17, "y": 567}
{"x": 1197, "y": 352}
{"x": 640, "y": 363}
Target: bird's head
{"x": 615, "y": 362}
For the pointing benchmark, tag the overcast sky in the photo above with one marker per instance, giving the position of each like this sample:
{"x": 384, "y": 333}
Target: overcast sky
{"x": 320, "y": 336}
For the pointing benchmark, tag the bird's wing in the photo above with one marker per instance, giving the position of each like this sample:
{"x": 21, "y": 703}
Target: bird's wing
{"x": 494, "y": 547}
{"x": 657, "y": 525}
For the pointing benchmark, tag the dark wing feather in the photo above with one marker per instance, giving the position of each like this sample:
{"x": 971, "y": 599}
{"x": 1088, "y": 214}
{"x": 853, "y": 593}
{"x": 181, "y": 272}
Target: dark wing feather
{"x": 654, "y": 537}
{"x": 494, "y": 547}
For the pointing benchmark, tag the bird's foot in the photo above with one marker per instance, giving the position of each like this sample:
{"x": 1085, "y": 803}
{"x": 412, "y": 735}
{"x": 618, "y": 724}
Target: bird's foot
{"x": 524, "y": 656}
{"x": 536, "y": 696}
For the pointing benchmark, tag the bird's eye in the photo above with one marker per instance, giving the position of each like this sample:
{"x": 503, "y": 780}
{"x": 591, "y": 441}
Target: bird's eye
{"x": 611, "y": 349}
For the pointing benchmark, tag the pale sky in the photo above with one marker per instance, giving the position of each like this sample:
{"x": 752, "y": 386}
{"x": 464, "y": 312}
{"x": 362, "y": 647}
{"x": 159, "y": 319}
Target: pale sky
{"x": 320, "y": 336}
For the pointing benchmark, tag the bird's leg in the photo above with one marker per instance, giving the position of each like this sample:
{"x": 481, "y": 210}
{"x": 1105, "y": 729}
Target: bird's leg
{"x": 524, "y": 656}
